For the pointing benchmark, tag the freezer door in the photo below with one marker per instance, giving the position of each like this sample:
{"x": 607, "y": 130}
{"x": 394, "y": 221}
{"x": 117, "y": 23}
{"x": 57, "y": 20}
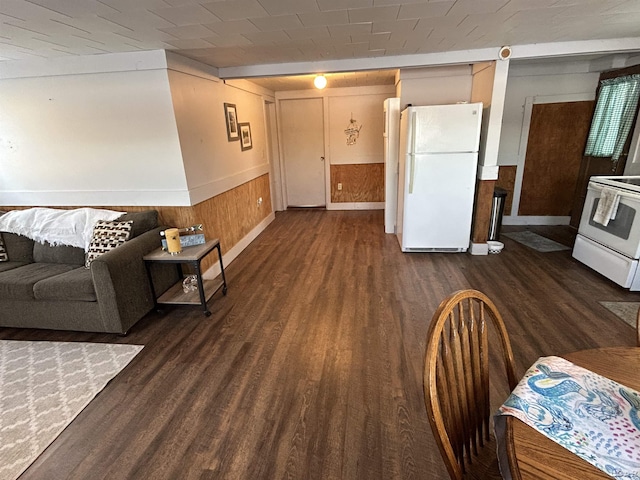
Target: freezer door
{"x": 446, "y": 128}
{"x": 438, "y": 201}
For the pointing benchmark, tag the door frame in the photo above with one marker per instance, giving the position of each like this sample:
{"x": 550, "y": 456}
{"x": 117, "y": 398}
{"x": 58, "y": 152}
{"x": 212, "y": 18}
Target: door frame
{"x": 513, "y": 218}
{"x": 325, "y": 134}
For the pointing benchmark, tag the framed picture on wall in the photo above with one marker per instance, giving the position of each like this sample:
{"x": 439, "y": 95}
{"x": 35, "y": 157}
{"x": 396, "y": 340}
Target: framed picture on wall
{"x": 245, "y": 136}
{"x": 231, "y": 119}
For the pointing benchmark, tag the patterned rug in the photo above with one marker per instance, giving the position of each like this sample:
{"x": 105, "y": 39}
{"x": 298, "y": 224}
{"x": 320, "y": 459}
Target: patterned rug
{"x": 626, "y": 311}
{"x": 43, "y": 387}
{"x": 535, "y": 241}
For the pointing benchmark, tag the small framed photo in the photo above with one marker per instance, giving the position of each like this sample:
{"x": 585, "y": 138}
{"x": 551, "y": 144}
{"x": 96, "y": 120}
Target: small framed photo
{"x": 245, "y": 136}
{"x": 231, "y": 119}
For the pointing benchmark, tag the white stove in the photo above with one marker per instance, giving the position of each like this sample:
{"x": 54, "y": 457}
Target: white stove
{"x": 630, "y": 183}
{"x": 608, "y": 239}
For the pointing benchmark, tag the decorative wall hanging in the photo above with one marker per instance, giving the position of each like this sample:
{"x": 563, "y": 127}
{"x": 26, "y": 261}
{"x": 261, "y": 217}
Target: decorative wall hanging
{"x": 352, "y": 131}
{"x": 231, "y": 119}
{"x": 245, "y": 136}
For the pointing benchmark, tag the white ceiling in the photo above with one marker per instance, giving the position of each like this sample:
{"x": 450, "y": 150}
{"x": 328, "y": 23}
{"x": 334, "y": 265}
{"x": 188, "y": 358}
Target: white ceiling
{"x": 334, "y": 80}
{"x": 237, "y": 33}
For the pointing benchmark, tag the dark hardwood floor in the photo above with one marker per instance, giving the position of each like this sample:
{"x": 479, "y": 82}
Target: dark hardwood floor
{"x": 311, "y": 366}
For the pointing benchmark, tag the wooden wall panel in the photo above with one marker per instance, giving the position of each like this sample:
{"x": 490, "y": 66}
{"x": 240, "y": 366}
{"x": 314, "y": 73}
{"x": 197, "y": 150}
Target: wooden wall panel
{"x": 507, "y": 181}
{"x": 360, "y": 183}
{"x": 482, "y": 210}
{"x": 229, "y": 216}
{"x": 557, "y": 137}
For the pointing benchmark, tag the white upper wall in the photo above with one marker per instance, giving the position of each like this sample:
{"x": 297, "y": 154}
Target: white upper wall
{"x": 435, "y": 85}
{"x": 212, "y": 163}
{"x": 90, "y": 139}
{"x": 368, "y": 112}
{"x": 552, "y": 82}
{"x": 149, "y": 132}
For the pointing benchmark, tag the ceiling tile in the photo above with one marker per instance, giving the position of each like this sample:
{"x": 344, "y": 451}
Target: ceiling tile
{"x": 130, "y": 5}
{"x": 337, "y": 17}
{"x": 231, "y": 27}
{"x": 186, "y": 15}
{"x": 236, "y": 9}
{"x": 426, "y": 10}
{"x": 74, "y": 8}
{"x": 228, "y": 40}
{"x": 351, "y": 29}
{"x": 19, "y": 9}
{"x": 378, "y": 14}
{"x": 187, "y": 32}
{"x": 189, "y": 44}
{"x": 628, "y": 6}
{"x": 312, "y": 32}
{"x": 340, "y": 4}
{"x": 469, "y": 7}
{"x": 281, "y": 22}
{"x": 379, "y": 3}
{"x": 518, "y": 5}
{"x": 450, "y": 21}
{"x": 397, "y": 26}
{"x": 282, "y": 7}
{"x": 133, "y": 20}
{"x": 260, "y": 38}
{"x": 370, "y": 37}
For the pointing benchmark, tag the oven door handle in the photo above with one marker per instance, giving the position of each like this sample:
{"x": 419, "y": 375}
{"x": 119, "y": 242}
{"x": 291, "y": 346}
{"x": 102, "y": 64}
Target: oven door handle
{"x": 622, "y": 193}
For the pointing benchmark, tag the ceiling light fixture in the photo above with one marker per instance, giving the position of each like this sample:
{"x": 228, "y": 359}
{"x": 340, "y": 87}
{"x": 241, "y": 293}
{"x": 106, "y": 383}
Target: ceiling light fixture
{"x": 320, "y": 82}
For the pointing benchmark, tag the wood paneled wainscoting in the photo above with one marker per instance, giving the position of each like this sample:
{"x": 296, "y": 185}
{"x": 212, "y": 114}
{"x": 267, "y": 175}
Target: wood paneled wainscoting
{"x": 360, "y": 183}
{"x": 229, "y": 216}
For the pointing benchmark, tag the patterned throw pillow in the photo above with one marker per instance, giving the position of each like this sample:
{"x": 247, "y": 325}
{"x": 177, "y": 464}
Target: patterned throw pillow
{"x": 4, "y": 257}
{"x": 107, "y": 236}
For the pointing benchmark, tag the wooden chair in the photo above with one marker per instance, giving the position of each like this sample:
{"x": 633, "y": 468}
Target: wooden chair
{"x": 456, "y": 382}
{"x": 638, "y": 328}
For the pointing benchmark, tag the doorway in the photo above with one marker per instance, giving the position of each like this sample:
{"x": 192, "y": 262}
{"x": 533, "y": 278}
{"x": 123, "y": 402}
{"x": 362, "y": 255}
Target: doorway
{"x": 557, "y": 135}
{"x": 302, "y": 134}
{"x": 548, "y": 163}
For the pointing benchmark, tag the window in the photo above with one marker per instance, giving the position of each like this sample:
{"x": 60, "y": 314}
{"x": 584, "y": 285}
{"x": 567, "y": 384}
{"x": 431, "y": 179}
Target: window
{"x": 613, "y": 117}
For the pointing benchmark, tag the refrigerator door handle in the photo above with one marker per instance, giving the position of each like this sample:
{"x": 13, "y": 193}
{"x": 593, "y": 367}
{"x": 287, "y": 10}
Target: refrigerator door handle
{"x": 412, "y": 166}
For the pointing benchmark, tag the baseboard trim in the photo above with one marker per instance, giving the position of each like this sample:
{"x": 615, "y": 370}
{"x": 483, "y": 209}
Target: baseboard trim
{"x": 479, "y": 249}
{"x": 535, "y": 220}
{"x": 356, "y": 206}
{"x": 230, "y": 256}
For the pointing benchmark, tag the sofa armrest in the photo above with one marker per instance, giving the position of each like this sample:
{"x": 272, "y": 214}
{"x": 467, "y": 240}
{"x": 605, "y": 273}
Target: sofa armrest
{"x": 121, "y": 282}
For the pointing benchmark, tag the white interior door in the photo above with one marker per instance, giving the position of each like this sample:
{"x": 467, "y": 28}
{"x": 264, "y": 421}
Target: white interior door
{"x": 302, "y": 127}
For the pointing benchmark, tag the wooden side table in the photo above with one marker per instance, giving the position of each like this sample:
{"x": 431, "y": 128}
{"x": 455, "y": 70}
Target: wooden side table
{"x": 191, "y": 256}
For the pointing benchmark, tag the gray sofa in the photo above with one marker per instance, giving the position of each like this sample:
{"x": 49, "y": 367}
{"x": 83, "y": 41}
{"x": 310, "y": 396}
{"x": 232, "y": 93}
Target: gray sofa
{"x": 45, "y": 286}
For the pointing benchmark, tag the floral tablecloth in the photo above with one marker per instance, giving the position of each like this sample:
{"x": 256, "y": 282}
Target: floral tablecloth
{"x": 590, "y": 415}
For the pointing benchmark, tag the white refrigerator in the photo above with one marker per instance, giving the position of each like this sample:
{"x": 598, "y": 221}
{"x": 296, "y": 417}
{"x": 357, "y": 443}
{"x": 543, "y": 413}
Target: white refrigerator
{"x": 437, "y": 176}
{"x": 391, "y": 134}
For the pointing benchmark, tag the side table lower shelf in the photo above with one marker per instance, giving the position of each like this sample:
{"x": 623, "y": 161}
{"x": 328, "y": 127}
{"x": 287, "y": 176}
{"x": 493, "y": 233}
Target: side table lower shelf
{"x": 176, "y": 295}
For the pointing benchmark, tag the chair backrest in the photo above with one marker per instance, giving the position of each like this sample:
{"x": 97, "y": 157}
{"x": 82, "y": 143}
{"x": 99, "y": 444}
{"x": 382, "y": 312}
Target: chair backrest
{"x": 638, "y": 328}
{"x": 456, "y": 375}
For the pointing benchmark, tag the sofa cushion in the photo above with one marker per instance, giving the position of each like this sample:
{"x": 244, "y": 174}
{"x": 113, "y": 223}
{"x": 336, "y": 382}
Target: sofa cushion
{"x": 106, "y": 237}
{"x": 47, "y": 253}
{"x": 142, "y": 221}
{"x": 74, "y": 285}
{"x": 4, "y": 266}
{"x": 19, "y": 248}
{"x": 17, "y": 283}
{"x": 3, "y": 251}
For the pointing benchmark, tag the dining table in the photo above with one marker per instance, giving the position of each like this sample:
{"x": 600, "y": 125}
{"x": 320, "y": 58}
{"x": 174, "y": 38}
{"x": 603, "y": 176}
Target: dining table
{"x": 531, "y": 455}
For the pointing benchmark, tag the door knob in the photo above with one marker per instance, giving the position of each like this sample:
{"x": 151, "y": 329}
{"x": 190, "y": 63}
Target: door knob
{"x": 322, "y": 159}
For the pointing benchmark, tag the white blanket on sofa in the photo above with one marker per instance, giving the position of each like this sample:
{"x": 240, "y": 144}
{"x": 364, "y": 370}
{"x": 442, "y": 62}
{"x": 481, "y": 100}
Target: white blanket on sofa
{"x": 56, "y": 226}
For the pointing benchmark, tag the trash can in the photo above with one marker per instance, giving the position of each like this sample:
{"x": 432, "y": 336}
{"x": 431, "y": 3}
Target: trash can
{"x": 497, "y": 210}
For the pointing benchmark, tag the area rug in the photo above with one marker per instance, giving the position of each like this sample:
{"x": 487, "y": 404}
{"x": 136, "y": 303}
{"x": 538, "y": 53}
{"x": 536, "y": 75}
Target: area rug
{"x": 535, "y": 241}
{"x": 626, "y": 311}
{"x": 43, "y": 387}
